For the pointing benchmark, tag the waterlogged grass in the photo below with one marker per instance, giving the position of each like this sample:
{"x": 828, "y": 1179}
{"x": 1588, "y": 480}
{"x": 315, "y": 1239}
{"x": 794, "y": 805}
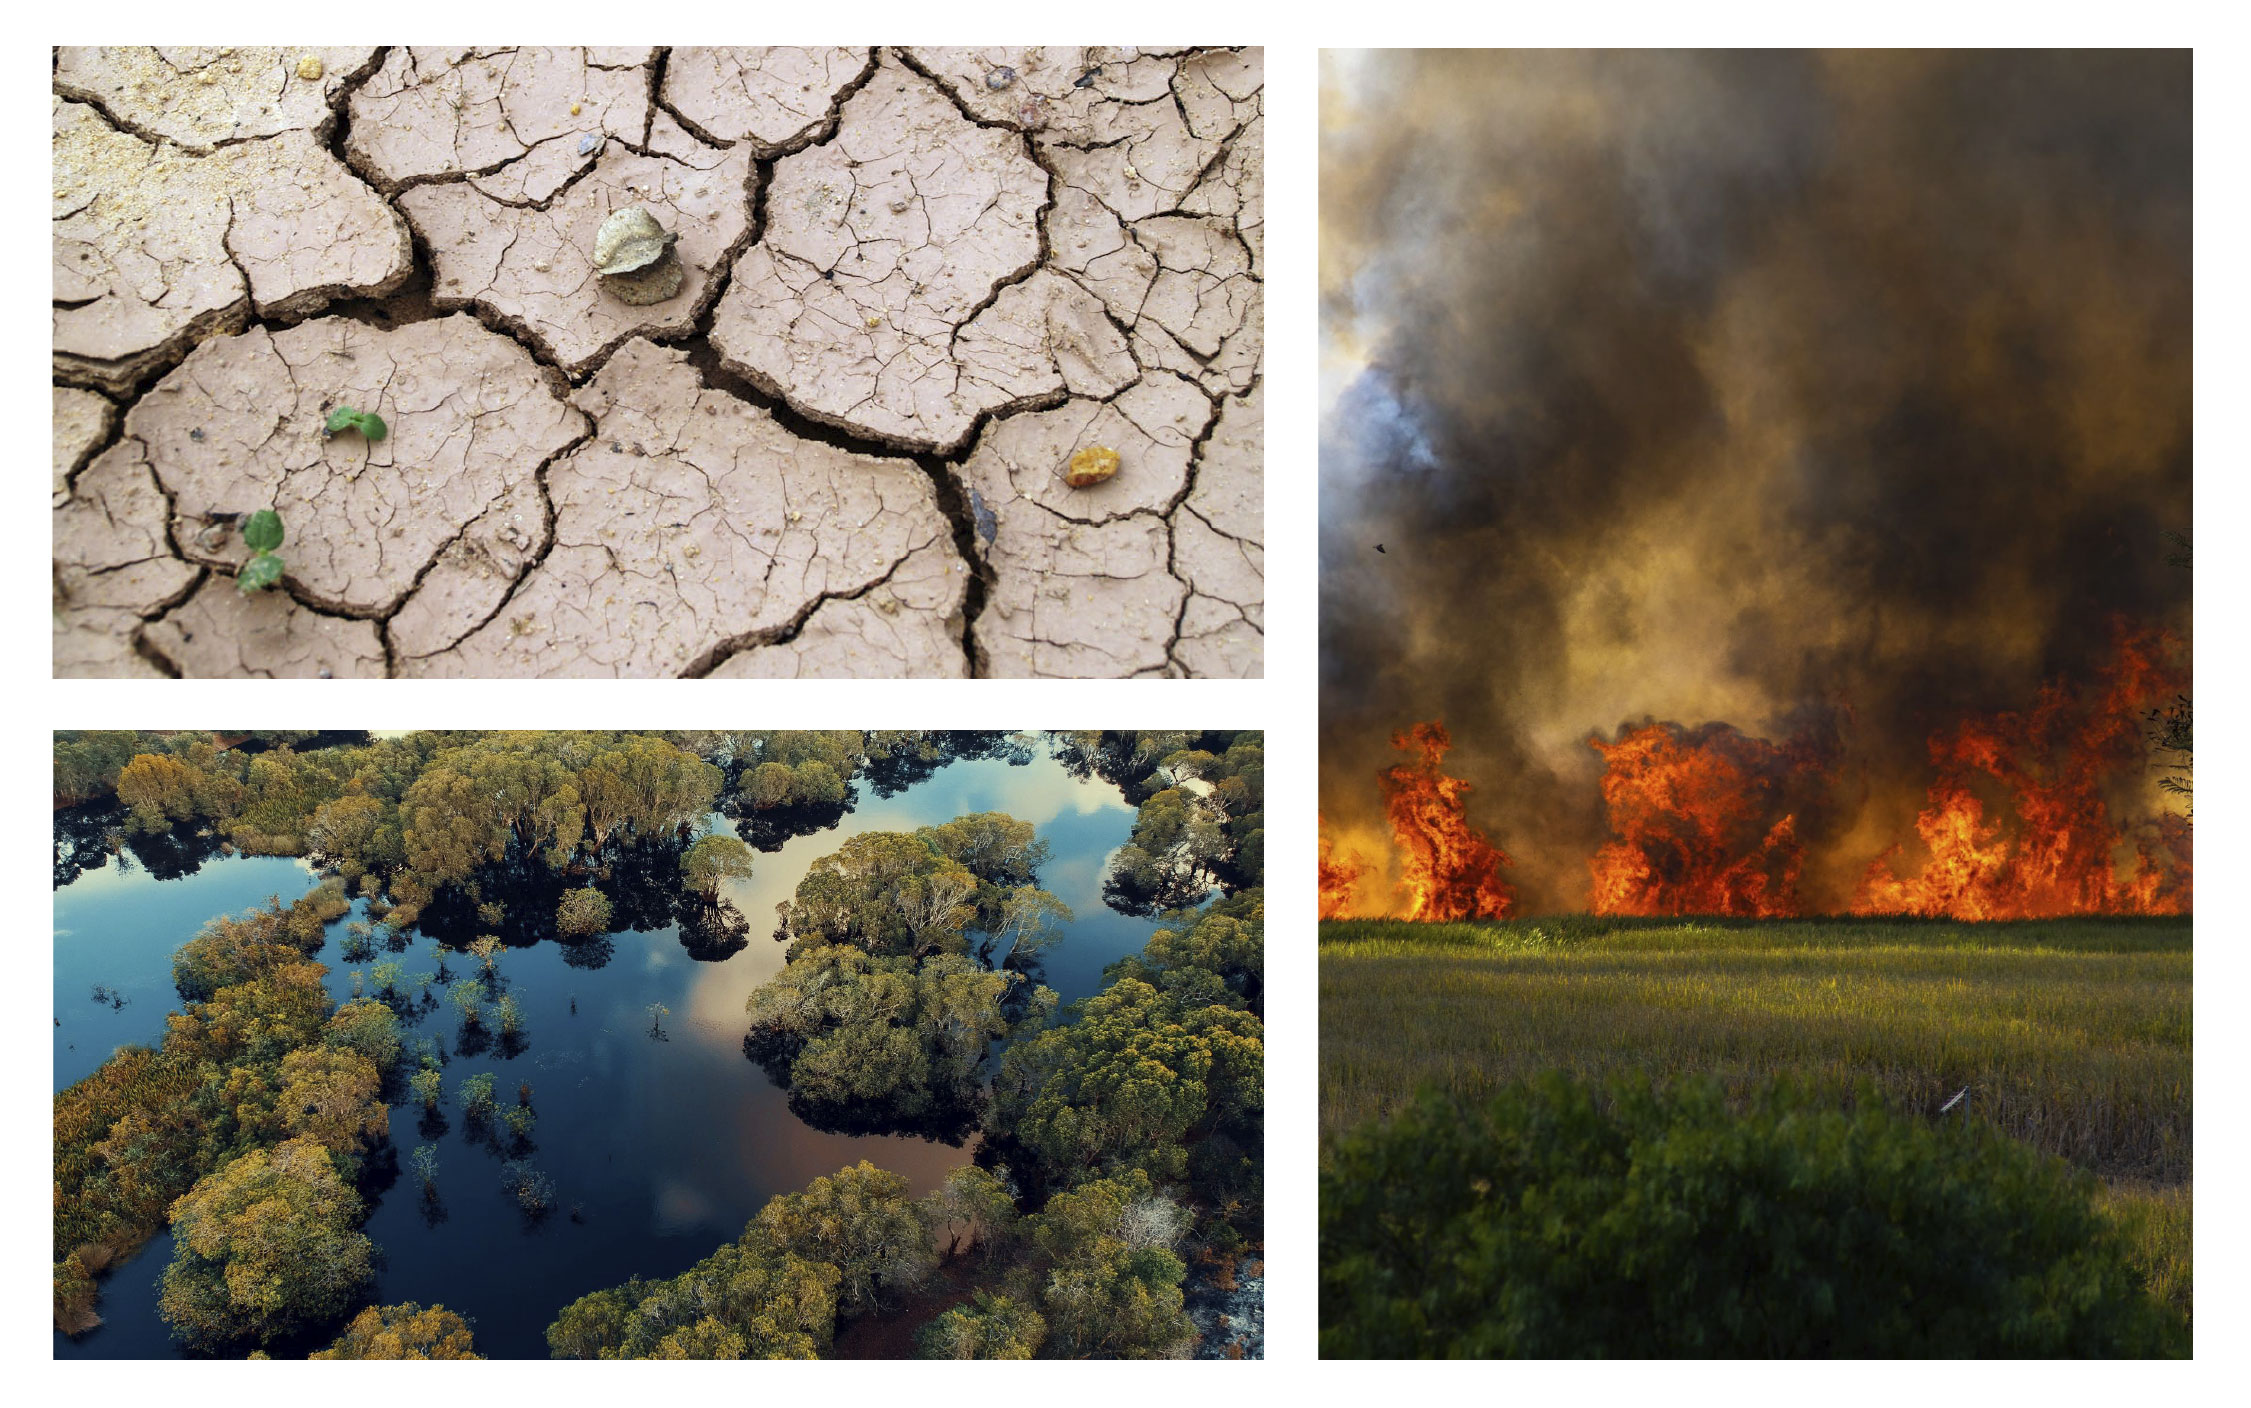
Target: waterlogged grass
{"x": 2073, "y": 1035}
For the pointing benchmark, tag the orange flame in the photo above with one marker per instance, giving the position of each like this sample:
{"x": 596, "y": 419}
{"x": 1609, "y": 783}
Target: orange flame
{"x": 1341, "y": 874}
{"x": 1447, "y": 869}
{"x": 1692, "y": 816}
{"x": 2047, "y": 845}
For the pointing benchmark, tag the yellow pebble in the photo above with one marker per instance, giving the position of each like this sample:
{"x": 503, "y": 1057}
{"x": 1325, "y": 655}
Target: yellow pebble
{"x": 574, "y": 109}
{"x": 1090, "y": 466}
{"x": 309, "y": 69}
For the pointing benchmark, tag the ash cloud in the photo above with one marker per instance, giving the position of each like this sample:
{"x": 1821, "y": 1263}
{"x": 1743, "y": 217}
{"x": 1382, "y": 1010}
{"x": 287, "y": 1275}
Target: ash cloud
{"x": 1738, "y": 387}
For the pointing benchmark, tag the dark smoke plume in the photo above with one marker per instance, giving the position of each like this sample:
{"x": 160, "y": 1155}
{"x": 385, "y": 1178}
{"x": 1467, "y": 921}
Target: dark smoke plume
{"x": 1744, "y": 388}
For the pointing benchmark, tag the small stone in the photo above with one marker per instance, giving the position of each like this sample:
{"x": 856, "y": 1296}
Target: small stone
{"x": 654, "y": 284}
{"x": 309, "y": 69}
{"x": 574, "y": 109}
{"x": 1093, "y": 465}
{"x": 586, "y": 144}
{"x": 1000, "y": 78}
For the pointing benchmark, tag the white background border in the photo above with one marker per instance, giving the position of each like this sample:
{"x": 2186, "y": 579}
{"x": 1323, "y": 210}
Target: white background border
{"x": 1283, "y": 704}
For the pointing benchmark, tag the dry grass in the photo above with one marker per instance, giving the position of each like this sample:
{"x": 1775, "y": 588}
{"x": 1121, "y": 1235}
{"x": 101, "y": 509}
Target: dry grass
{"x": 2073, "y": 1035}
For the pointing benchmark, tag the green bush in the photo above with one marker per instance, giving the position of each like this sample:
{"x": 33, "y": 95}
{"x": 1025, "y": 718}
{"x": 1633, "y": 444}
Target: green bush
{"x": 1560, "y": 1220}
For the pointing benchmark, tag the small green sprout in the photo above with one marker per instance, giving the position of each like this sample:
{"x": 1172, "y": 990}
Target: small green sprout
{"x": 367, "y": 423}
{"x": 261, "y": 533}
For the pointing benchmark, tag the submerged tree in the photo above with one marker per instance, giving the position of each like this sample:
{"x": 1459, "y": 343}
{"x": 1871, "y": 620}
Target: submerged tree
{"x": 476, "y": 1096}
{"x": 403, "y": 1332}
{"x": 469, "y": 1000}
{"x": 583, "y": 914}
{"x": 712, "y": 860}
{"x": 865, "y": 1044}
{"x": 487, "y": 948}
{"x": 533, "y": 1191}
{"x": 266, "y": 1246}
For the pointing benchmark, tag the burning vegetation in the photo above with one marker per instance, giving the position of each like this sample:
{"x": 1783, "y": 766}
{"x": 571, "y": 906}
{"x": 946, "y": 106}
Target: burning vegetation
{"x": 1445, "y": 868}
{"x": 1693, "y": 812}
{"x": 1341, "y": 874}
{"x": 2017, "y": 825}
{"x": 2028, "y": 814}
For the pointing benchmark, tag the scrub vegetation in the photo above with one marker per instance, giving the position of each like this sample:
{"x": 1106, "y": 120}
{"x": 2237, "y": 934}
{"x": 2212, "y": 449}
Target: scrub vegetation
{"x": 2069, "y": 1040}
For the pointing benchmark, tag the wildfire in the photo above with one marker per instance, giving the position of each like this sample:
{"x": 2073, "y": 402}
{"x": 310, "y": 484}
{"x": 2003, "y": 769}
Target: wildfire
{"x": 1447, "y": 869}
{"x": 2016, "y": 824}
{"x": 1693, "y": 817}
{"x": 1341, "y": 874}
{"x": 2026, "y": 815}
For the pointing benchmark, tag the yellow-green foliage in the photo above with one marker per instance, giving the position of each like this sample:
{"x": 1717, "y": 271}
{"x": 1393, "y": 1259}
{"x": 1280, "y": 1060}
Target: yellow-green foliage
{"x": 748, "y": 1300}
{"x": 403, "y": 1332}
{"x": 264, "y": 1247}
{"x": 2072, "y": 1035}
{"x": 242, "y": 1066}
{"x": 2156, "y": 1222}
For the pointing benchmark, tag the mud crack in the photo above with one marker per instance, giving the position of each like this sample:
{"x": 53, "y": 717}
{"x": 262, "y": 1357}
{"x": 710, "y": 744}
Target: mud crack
{"x": 918, "y": 281}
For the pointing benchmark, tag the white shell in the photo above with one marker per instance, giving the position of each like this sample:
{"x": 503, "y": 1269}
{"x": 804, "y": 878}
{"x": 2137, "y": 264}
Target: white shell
{"x": 629, "y": 239}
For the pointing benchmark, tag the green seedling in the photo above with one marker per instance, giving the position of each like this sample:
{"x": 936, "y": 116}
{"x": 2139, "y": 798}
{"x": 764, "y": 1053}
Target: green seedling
{"x": 367, "y": 423}
{"x": 261, "y": 533}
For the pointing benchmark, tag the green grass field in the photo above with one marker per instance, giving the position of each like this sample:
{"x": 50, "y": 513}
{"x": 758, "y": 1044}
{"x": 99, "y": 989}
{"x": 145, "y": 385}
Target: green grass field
{"x": 2071, "y": 1034}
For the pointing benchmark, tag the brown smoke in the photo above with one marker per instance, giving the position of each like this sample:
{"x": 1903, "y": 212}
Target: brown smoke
{"x": 1743, "y": 389}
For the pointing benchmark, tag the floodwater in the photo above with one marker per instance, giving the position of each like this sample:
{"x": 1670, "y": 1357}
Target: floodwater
{"x": 661, "y": 1139}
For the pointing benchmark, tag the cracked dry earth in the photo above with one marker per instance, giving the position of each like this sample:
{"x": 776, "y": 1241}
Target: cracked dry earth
{"x": 916, "y": 283}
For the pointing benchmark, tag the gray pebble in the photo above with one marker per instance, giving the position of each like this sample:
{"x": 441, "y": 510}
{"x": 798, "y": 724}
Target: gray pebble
{"x": 1000, "y": 78}
{"x": 586, "y": 144}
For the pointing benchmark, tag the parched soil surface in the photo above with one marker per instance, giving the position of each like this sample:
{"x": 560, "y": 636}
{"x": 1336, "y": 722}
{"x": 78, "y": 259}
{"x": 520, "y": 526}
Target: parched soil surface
{"x": 915, "y": 284}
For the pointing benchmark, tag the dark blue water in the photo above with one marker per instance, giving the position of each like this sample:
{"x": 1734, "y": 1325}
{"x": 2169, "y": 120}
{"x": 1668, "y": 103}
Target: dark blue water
{"x": 662, "y": 1146}
{"x": 118, "y": 927}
